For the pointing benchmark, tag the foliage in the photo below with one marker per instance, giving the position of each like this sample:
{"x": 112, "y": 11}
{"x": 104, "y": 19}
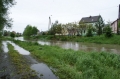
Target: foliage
{"x": 34, "y": 30}
{"x": 108, "y": 31}
{"x": 5, "y": 5}
{"x": 29, "y": 31}
{"x": 82, "y": 27}
{"x": 99, "y": 25}
{"x": 89, "y": 33}
{"x": 76, "y": 64}
{"x": 56, "y": 28}
{"x": 12, "y": 34}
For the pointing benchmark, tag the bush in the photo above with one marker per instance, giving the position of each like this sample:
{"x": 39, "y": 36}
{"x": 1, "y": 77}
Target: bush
{"x": 108, "y": 32}
{"x": 12, "y": 34}
{"x": 89, "y": 33}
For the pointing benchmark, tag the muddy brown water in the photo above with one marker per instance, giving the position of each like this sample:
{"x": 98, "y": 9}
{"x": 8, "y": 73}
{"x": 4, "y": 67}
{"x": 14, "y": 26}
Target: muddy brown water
{"x": 43, "y": 71}
{"x": 81, "y": 46}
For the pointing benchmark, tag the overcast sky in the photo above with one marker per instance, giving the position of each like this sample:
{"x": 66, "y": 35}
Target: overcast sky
{"x": 37, "y": 12}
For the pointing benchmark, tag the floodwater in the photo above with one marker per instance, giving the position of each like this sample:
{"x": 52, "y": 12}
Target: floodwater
{"x": 5, "y": 48}
{"x": 19, "y": 49}
{"x": 82, "y": 46}
{"x": 43, "y": 71}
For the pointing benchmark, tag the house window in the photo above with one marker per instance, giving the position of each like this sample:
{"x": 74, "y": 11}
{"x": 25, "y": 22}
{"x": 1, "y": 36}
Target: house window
{"x": 92, "y": 19}
{"x": 83, "y": 20}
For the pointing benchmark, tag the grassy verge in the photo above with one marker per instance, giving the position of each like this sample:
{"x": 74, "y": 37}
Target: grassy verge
{"x": 20, "y": 63}
{"x": 72, "y": 64}
{"x": 96, "y": 39}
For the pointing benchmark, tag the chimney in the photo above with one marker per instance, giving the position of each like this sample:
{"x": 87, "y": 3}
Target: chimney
{"x": 119, "y": 12}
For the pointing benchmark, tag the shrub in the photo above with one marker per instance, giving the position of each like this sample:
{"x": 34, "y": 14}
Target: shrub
{"x": 89, "y": 33}
{"x": 12, "y": 34}
{"x": 108, "y": 32}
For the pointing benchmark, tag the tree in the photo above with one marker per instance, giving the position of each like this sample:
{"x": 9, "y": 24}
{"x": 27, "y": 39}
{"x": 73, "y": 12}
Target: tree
{"x": 82, "y": 27}
{"x": 53, "y": 30}
{"x": 28, "y": 31}
{"x": 89, "y": 33}
{"x": 4, "y": 8}
{"x": 108, "y": 31}
{"x": 99, "y": 25}
{"x": 12, "y": 34}
{"x": 59, "y": 29}
{"x": 34, "y": 30}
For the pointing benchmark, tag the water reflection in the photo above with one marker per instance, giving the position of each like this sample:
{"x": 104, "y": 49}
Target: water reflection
{"x": 82, "y": 46}
{"x": 43, "y": 71}
{"x": 19, "y": 49}
{"x": 40, "y": 68}
{"x": 5, "y": 48}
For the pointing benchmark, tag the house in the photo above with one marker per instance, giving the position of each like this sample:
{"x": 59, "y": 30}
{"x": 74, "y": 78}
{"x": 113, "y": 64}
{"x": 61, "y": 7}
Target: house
{"x": 89, "y": 21}
{"x": 115, "y": 24}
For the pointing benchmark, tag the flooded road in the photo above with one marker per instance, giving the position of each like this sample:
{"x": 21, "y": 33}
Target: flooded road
{"x": 5, "y": 48}
{"x": 81, "y": 46}
{"x": 43, "y": 71}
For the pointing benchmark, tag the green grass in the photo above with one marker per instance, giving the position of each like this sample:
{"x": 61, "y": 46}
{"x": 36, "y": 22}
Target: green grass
{"x": 72, "y": 64}
{"x": 21, "y": 65}
{"x": 95, "y": 39}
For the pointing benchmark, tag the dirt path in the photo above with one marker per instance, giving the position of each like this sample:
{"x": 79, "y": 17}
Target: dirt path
{"x": 7, "y": 70}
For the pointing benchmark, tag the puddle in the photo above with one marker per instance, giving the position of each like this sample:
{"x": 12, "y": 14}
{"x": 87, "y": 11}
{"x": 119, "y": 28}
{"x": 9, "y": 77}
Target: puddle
{"x": 43, "y": 71}
{"x": 5, "y": 48}
{"x": 19, "y": 49}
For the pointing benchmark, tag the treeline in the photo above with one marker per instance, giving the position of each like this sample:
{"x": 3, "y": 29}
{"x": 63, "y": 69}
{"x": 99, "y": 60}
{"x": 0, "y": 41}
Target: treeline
{"x": 30, "y": 31}
{"x": 80, "y": 29}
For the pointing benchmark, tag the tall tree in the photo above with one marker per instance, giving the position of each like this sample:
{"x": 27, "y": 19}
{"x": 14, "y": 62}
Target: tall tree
{"x": 99, "y": 25}
{"x": 28, "y": 31}
{"x": 5, "y": 5}
{"x": 59, "y": 29}
{"x": 34, "y": 30}
{"x": 82, "y": 27}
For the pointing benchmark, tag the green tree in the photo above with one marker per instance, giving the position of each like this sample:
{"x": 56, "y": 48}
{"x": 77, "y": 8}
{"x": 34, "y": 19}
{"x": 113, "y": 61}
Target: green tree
{"x": 82, "y": 27}
{"x": 89, "y": 32}
{"x": 4, "y": 8}
{"x": 53, "y": 29}
{"x": 108, "y": 31}
{"x": 59, "y": 29}
{"x": 34, "y": 30}
{"x": 99, "y": 25}
{"x": 28, "y": 31}
{"x": 12, "y": 34}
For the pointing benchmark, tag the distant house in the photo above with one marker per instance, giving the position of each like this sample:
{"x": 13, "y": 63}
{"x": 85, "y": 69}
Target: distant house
{"x": 91, "y": 20}
{"x": 115, "y": 24}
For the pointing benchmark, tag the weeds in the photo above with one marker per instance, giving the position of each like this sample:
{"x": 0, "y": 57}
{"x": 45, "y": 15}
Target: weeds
{"x": 20, "y": 63}
{"x": 72, "y": 64}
